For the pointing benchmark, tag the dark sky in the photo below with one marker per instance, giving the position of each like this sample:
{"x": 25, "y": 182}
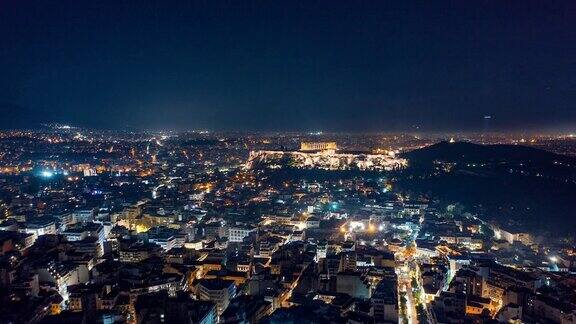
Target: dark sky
{"x": 289, "y": 65}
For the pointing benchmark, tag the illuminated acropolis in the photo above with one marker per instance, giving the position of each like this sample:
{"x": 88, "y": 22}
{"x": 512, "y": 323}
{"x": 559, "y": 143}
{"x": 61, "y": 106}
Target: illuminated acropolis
{"x": 323, "y": 155}
{"x": 318, "y": 146}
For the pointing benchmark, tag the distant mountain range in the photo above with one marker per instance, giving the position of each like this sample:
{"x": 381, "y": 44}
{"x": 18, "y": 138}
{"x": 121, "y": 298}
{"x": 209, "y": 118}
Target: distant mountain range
{"x": 515, "y": 185}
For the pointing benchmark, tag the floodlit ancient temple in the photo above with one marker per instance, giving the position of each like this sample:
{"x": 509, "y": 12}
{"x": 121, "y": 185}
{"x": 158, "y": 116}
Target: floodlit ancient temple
{"x": 325, "y": 155}
{"x": 318, "y": 146}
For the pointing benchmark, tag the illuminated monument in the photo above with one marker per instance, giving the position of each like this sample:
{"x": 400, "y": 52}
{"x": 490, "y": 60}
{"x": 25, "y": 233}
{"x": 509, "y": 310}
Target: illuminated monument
{"x": 318, "y": 146}
{"x": 325, "y": 155}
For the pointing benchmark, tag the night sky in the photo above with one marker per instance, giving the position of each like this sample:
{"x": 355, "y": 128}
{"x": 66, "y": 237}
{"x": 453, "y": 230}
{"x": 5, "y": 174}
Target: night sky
{"x": 289, "y": 65}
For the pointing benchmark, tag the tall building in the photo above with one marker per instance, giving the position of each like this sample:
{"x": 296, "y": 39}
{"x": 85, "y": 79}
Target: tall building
{"x": 353, "y": 284}
{"x": 348, "y": 261}
{"x": 161, "y": 308}
{"x": 238, "y": 233}
{"x": 385, "y": 301}
{"x": 218, "y": 291}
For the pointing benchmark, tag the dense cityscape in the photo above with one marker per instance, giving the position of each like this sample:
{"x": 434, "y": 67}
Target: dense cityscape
{"x": 201, "y": 227}
{"x": 287, "y": 162}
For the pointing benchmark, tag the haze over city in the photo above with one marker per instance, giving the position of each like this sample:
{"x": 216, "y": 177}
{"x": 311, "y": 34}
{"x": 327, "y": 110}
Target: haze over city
{"x": 247, "y": 162}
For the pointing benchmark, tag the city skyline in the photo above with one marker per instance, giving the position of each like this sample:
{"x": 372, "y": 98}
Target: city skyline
{"x": 271, "y": 162}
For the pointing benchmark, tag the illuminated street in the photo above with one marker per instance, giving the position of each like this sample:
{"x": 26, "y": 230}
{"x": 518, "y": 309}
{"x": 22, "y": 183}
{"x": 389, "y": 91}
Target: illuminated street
{"x": 287, "y": 162}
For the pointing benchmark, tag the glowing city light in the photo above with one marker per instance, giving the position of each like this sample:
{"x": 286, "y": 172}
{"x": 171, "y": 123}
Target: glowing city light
{"x": 47, "y": 174}
{"x": 553, "y": 259}
{"x": 371, "y": 228}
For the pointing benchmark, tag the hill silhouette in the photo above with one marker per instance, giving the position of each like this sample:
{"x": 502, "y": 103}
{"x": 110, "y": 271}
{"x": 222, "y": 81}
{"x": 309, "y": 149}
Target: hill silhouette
{"x": 514, "y": 185}
{"x": 470, "y": 152}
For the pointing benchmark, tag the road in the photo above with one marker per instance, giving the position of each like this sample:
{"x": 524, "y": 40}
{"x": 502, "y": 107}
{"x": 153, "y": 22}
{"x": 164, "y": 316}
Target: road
{"x": 404, "y": 282}
{"x": 411, "y": 312}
